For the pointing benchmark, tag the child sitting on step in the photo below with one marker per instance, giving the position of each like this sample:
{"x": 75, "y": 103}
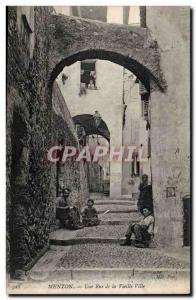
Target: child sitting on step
{"x": 90, "y": 215}
{"x": 143, "y": 231}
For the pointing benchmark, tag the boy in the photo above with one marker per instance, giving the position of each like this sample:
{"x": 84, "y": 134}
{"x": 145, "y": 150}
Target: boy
{"x": 69, "y": 216}
{"x": 143, "y": 231}
{"x": 90, "y": 215}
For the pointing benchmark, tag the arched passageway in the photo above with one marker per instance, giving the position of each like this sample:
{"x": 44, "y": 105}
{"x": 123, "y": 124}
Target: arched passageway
{"x": 117, "y": 111}
{"x": 74, "y": 39}
{"x": 90, "y": 127}
{"x": 93, "y": 132}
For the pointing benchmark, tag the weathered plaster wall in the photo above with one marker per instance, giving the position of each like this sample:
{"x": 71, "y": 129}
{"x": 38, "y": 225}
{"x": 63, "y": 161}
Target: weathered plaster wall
{"x": 106, "y": 99}
{"x": 170, "y": 120}
{"x": 134, "y": 133}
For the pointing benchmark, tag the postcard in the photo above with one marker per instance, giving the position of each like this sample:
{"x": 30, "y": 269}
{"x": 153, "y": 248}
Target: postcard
{"x": 98, "y": 150}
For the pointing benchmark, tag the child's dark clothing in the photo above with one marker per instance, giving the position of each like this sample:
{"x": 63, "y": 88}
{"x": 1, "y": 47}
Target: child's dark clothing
{"x": 145, "y": 197}
{"x": 70, "y": 216}
{"x": 90, "y": 217}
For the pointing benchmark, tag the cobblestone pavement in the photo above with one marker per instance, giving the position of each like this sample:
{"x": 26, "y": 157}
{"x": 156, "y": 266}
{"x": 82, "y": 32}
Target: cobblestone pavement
{"x": 116, "y": 231}
{"x": 115, "y": 207}
{"x": 116, "y": 256}
{"x": 131, "y": 217}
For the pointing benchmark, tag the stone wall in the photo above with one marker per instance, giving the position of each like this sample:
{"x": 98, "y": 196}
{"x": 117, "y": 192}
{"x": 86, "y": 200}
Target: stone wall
{"x": 30, "y": 181}
{"x": 71, "y": 174}
{"x": 28, "y": 123}
{"x": 170, "y": 121}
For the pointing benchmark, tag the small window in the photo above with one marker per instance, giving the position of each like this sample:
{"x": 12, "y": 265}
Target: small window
{"x": 88, "y": 74}
{"x": 64, "y": 77}
{"x": 149, "y": 147}
{"x": 135, "y": 166}
{"x": 134, "y": 16}
{"x": 145, "y": 109}
{"x": 144, "y": 101}
{"x": 143, "y": 16}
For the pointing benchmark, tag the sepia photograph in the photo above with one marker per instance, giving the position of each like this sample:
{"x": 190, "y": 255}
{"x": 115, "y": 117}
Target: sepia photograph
{"x": 98, "y": 150}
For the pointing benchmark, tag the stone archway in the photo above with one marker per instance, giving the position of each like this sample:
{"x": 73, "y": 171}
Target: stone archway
{"x": 88, "y": 123}
{"x": 74, "y": 39}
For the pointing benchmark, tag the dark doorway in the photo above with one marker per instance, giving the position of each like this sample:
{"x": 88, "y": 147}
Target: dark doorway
{"x": 186, "y": 223}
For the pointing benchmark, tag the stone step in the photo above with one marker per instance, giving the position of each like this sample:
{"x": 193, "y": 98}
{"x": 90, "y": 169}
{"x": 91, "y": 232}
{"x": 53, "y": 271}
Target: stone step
{"x": 95, "y": 234}
{"x": 113, "y": 199}
{"x": 116, "y": 207}
{"x": 117, "y": 216}
{"x": 118, "y": 219}
{"x": 115, "y": 202}
{"x": 108, "y": 198}
{"x": 117, "y": 211}
{"x": 98, "y": 196}
{"x": 114, "y": 274}
{"x": 107, "y": 222}
{"x": 85, "y": 240}
{"x": 112, "y": 218}
{"x": 117, "y": 222}
{"x": 89, "y": 235}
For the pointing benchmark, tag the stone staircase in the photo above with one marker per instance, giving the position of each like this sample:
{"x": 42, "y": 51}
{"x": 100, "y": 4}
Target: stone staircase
{"x": 111, "y": 229}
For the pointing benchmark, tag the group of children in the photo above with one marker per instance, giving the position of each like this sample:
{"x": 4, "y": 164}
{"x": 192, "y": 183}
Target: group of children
{"x": 70, "y": 217}
{"x": 143, "y": 231}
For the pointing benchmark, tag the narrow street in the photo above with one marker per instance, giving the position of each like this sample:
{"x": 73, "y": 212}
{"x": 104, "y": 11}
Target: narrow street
{"x": 97, "y": 249}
